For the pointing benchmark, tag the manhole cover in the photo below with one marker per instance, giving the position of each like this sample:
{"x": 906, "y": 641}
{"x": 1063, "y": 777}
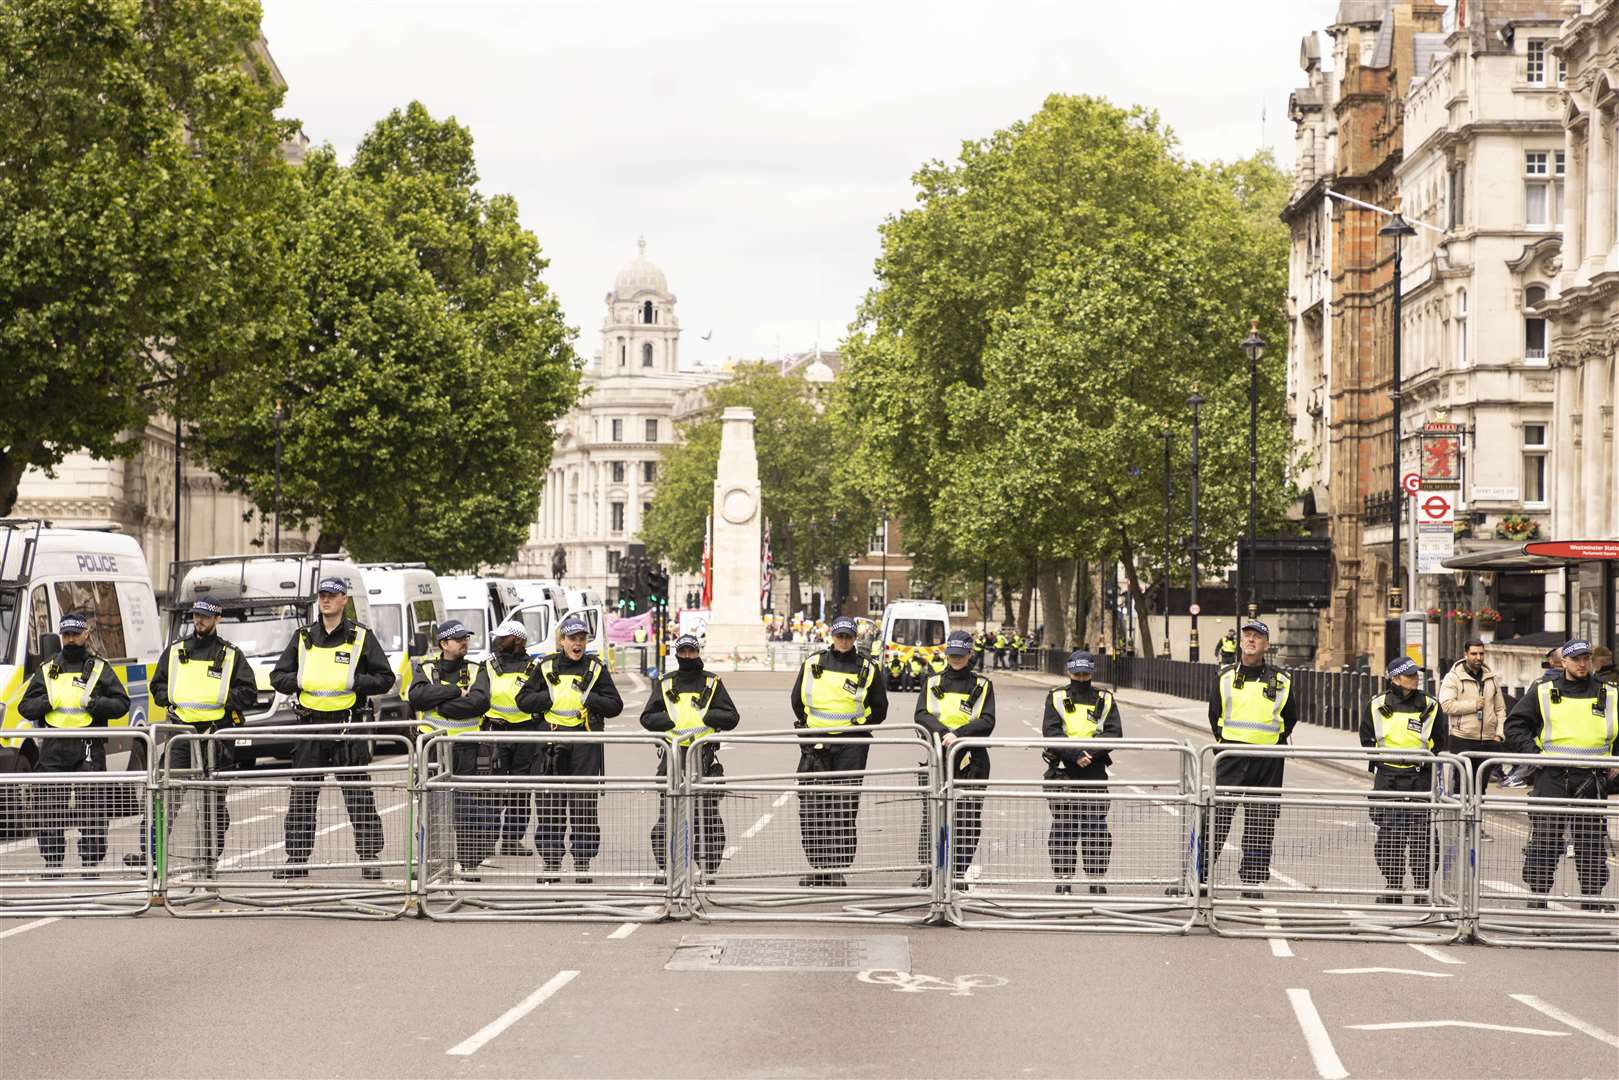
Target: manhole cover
{"x": 716, "y": 952}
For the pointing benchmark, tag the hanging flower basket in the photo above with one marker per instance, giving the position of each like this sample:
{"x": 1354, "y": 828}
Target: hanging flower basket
{"x": 1459, "y": 615}
{"x": 1489, "y": 618}
{"x": 1517, "y": 527}
{"x": 1434, "y": 614}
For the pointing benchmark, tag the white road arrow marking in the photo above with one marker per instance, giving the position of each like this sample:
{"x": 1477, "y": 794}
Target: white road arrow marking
{"x": 1566, "y": 1018}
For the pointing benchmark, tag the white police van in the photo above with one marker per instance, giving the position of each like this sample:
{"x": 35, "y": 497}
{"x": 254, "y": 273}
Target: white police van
{"x": 406, "y": 608}
{"x": 911, "y": 626}
{"x": 481, "y": 603}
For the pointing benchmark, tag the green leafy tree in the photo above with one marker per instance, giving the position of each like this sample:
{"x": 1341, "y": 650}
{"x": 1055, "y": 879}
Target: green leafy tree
{"x": 817, "y": 513}
{"x": 430, "y": 365}
{"x": 140, "y": 183}
{"x": 1039, "y": 318}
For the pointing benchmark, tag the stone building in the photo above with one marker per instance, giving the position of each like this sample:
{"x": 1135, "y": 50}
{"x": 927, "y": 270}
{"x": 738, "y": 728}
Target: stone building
{"x": 1484, "y": 164}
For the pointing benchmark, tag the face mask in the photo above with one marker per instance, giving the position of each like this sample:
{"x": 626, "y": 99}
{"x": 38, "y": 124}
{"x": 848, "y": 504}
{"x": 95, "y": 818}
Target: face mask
{"x": 73, "y": 653}
{"x": 690, "y": 663}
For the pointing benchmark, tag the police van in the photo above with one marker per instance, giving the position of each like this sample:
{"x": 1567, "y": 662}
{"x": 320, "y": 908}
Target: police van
{"x": 406, "y": 608}
{"x": 45, "y": 573}
{"x": 266, "y": 599}
{"x": 481, "y": 603}
{"x": 910, "y": 626}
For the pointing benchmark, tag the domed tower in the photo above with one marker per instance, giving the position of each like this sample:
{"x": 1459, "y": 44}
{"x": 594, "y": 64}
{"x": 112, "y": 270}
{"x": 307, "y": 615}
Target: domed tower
{"x": 640, "y": 335}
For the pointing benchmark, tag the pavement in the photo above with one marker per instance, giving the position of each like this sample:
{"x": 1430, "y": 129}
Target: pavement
{"x": 293, "y": 997}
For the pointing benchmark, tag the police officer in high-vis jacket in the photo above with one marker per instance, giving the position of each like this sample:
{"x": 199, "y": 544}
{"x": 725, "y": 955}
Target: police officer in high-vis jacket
{"x": 509, "y": 668}
{"x": 687, "y": 703}
{"x": 1079, "y": 713}
{"x": 571, "y": 692}
{"x": 960, "y": 704}
{"x": 204, "y": 683}
{"x": 1571, "y": 714}
{"x": 73, "y": 689}
{"x": 839, "y": 693}
{"x": 329, "y": 668}
{"x": 450, "y": 696}
{"x": 1252, "y": 705}
{"x": 1403, "y": 718}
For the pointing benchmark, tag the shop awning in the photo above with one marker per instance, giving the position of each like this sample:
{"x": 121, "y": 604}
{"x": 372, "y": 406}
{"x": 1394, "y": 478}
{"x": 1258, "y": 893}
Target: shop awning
{"x": 1536, "y": 555}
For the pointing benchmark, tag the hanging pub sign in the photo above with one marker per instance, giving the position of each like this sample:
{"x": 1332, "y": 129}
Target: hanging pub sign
{"x": 1441, "y": 464}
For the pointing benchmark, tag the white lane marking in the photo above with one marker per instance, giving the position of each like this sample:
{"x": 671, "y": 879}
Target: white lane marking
{"x": 506, "y": 1019}
{"x": 1170, "y": 810}
{"x": 1327, "y": 1064}
{"x": 1278, "y": 946}
{"x": 1387, "y": 971}
{"x": 753, "y": 830}
{"x": 27, "y": 926}
{"x": 234, "y": 859}
{"x": 626, "y": 929}
{"x": 1507, "y": 887}
{"x": 1435, "y": 954}
{"x": 1403, "y": 1025}
{"x": 1556, "y": 1014}
{"x": 781, "y": 800}
{"x": 728, "y": 852}
{"x": 1284, "y": 879}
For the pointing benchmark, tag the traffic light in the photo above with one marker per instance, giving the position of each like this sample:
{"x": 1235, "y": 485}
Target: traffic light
{"x": 631, "y": 587}
{"x": 657, "y": 586}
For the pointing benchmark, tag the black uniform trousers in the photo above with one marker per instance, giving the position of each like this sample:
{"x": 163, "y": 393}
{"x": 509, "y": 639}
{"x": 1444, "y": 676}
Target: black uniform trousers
{"x": 568, "y": 821}
{"x": 710, "y": 827}
{"x": 317, "y": 757}
{"x": 967, "y": 827}
{"x": 474, "y": 813}
{"x": 1404, "y": 835}
{"x": 1476, "y": 750}
{"x": 1258, "y": 816}
{"x": 826, "y": 820}
{"x": 1587, "y": 832}
{"x": 1078, "y": 825}
{"x": 205, "y": 756}
{"x": 59, "y": 807}
{"x": 516, "y": 759}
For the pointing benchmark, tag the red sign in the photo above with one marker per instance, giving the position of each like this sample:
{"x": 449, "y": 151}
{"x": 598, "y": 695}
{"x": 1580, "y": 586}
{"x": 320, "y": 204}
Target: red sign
{"x": 1574, "y": 549}
{"x": 1441, "y": 457}
{"x": 1438, "y": 509}
{"x": 1411, "y": 482}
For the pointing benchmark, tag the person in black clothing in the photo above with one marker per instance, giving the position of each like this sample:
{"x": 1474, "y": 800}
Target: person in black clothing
{"x": 686, "y": 703}
{"x": 73, "y": 689}
{"x": 837, "y": 693}
{"x": 329, "y": 683}
{"x": 510, "y": 667}
{"x": 573, "y": 693}
{"x": 1403, "y": 718}
{"x": 1260, "y": 712}
{"x": 450, "y": 695}
{"x": 958, "y": 703}
{"x": 1571, "y": 713}
{"x": 1079, "y": 712}
{"x": 220, "y": 661}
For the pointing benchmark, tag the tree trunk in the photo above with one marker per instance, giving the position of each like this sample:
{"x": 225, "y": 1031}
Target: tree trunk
{"x": 1006, "y": 603}
{"x": 1023, "y": 601}
{"x": 12, "y": 466}
{"x": 328, "y": 542}
{"x": 1096, "y": 615}
{"x": 1127, "y": 555}
{"x": 1082, "y": 595}
{"x": 1054, "y": 599}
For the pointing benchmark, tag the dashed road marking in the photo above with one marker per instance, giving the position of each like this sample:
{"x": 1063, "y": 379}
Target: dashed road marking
{"x": 753, "y": 830}
{"x": 234, "y": 859}
{"x": 1556, "y": 1014}
{"x": 1435, "y": 954}
{"x": 27, "y": 926}
{"x": 1387, "y": 971}
{"x": 1327, "y": 1064}
{"x": 626, "y": 929}
{"x": 1407, "y": 1025}
{"x": 473, "y": 1044}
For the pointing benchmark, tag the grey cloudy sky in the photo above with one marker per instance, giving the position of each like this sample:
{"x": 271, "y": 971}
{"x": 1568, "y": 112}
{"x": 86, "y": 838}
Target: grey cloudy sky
{"x": 758, "y": 145}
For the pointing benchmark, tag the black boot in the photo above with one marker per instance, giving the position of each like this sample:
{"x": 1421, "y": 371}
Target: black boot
{"x": 290, "y": 871}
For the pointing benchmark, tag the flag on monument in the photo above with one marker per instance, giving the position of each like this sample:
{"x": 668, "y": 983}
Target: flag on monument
{"x": 708, "y": 561}
{"x": 767, "y": 571}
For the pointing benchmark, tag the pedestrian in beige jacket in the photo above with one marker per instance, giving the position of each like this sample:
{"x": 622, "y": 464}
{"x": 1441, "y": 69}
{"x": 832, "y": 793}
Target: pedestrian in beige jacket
{"x": 1470, "y": 695}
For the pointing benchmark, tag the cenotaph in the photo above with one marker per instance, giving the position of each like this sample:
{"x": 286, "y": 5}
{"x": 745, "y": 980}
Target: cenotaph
{"x": 736, "y": 635}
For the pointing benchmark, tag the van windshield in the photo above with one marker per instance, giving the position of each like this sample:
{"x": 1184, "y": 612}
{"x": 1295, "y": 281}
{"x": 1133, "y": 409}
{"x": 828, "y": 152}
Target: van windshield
{"x": 474, "y": 620}
{"x": 388, "y": 623}
{"x": 261, "y": 631}
{"x": 917, "y": 632}
{"x": 9, "y": 602}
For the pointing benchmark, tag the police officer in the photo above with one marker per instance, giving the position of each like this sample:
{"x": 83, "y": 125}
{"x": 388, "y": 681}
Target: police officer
{"x": 1017, "y": 646}
{"x": 1079, "y": 712}
{"x": 896, "y": 671}
{"x": 978, "y": 651}
{"x": 329, "y": 668}
{"x": 687, "y": 703}
{"x": 960, "y": 704}
{"x": 837, "y": 692}
{"x": 1225, "y": 650}
{"x": 205, "y": 683}
{"x": 1252, "y": 705}
{"x": 73, "y": 689}
{"x": 1403, "y": 718}
{"x": 571, "y": 692}
{"x": 936, "y": 661}
{"x": 1570, "y": 714}
{"x": 1000, "y": 648}
{"x": 508, "y": 669}
{"x": 916, "y": 669}
{"x": 450, "y": 697}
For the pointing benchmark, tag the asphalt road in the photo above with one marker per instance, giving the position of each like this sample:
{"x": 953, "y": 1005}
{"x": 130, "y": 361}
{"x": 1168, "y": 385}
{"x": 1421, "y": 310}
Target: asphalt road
{"x": 249, "y": 997}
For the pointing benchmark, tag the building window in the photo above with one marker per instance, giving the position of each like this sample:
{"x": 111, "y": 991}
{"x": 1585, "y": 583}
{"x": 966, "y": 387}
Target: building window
{"x": 623, "y": 353}
{"x": 646, "y": 312}
{"x": 958, "y": 606}
{"x": 1534, "y": 464}
{"x": 876, "y": 596}
{"x": 1461, "y": 327}
{"x": 613, "y": 556}
{"x": 617, "y": 468}
{"x": 646, "y": 354}
{"x": 1535, "y": 69}
{"x": 646, "y": 508}
{"x": 1543, "y": 188}
{"x": 1534, "y": 326}
{"x": 618, "y": 430}
{"x": 1562, "y": 71}
{"x": 1458, "y": 180}
{"x": 649, "y": 471}
{"x": 652, "y": 430}
{"x": 879, "y": 540}
{"x": 617, "y": 510}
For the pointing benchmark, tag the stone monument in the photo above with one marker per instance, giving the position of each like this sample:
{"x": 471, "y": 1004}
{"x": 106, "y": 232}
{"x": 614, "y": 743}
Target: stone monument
{"x": 736, "y": 635}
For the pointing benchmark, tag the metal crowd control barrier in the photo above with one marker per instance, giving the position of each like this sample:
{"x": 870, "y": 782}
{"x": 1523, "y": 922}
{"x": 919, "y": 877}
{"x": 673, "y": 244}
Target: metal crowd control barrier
{"x": 600, "y": 842}
{"x": 328, "y": 836}
{"x": 68, "y": 829}
{"x": 1546, "y": 878}
{"x": 1112, "y": 855}
{"x": 842, "y": 827}
{"x": 1313, "y": 862}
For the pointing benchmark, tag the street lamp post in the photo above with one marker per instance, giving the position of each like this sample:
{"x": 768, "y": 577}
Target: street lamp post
{"x": 1254, "y": 346}
{"x": 1399, "y": 229}
{"x": 1196, "y": 402}
{"x": 1169, "y": 491}
{"x": 280, "y": 417}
